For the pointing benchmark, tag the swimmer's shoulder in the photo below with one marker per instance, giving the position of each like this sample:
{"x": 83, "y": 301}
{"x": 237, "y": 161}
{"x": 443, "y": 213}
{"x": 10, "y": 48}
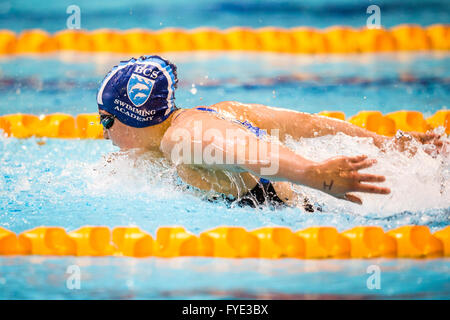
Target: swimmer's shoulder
{"x": 228, "y": 109}
{"x": 257, "y": 114}
{"x": 182, "y": 115}
{"x": 242, "y": 109}
{"x": 230, "y": 106}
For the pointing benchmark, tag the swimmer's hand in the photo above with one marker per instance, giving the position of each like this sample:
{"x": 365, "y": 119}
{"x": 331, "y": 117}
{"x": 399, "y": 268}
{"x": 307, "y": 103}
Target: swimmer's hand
{"x": 339, "y": 176}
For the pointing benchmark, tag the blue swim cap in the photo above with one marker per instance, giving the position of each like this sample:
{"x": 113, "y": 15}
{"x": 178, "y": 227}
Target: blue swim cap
{"x": 140, "y": 93}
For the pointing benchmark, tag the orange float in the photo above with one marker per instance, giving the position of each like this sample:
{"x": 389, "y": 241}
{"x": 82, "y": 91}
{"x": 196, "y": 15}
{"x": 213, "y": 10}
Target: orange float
{"x": 35, "y": 41}
{"x": 173, "y": 39}
{"x": 444, "y": 236}
{"x": 229, "y": 242}
{"x": 374, "y": 121}
{"x": 416, "y": 242}
{"x": 279, "y": 242}
{"x": 88, "y": 126}
{"x": 132, "y": 242}
{"x": 56, "y": 125}
{"x": 106, "y": 40}
{"x": 309, "y": 40}
{"x": 440, "y": 119}
{"x": 47, "y": 241}
{"x": 341, "y": 39}
{"x": 439, "y": 35}
{"x": 375, "y": 40}
{"x": 333, "y": 114}
{"x": 8, "y": 42}
{"x": 141, "y": 42}
{"x": 275, "y": 39}
{"x": 175, "y": 242}
{"x": 242, "y": 38}
{"x": 73, "y": 40}
{"x": 208, "y": 39}
{"x": 92, "y": 241}
{"x": 411, "y": 38}
{"x": 21, "y": 125}
{"x": 370, "y": 242}
{"x": 9, "y": 244}
{"x": 5, "y": 127}
{"x": 409, "y": 121}
{"x": 324, "y": 242}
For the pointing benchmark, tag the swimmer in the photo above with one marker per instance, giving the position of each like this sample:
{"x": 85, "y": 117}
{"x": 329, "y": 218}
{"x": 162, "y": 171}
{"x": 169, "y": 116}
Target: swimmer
{"x": 137, "y": 111}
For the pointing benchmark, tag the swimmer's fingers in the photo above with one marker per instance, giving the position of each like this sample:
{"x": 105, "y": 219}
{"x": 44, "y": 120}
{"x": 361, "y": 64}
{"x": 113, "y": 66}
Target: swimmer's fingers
{"x": 365, "y": 188}
{"x": 363, "y": 164}
{"x": 369, "y": 188}
{"x": 370, "y": 178}
{"x": 356, "y": 159}
{"x": 352, "y": 198}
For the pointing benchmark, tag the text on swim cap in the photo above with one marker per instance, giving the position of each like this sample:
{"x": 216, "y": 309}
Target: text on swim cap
{"x": 141, "y": 112}
{"x": 132, "y": 115}
{"x": 146, "y": 72}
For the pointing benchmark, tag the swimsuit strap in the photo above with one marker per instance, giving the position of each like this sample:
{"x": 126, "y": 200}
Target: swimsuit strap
{"x": 198, "y": 108}
{"x": 206, "y": 109}
{"x": 257, "y": 131}
{"x": 177, "y": 114}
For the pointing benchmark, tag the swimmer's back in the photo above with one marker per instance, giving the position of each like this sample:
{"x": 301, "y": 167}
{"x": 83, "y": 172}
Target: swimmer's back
{"x": 284, "y": 121}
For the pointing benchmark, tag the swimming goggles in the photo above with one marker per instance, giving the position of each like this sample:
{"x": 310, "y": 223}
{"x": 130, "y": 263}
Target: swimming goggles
{"x": 107, "y": 120}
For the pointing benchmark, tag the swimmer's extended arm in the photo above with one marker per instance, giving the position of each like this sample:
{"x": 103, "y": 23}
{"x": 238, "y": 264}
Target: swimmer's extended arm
{"x": 218, "y": 144}
{"x": 311, "y": 125}
{"x": 299, "y": 124}
{"x": 305, "y": 125}
{"x": 321, "y": 125}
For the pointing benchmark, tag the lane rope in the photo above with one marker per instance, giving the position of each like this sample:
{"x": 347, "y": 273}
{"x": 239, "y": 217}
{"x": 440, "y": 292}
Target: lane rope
{"x": 87, "y": 126}
{"x": 231, "y": 242}
{"x": 307, "y": 40}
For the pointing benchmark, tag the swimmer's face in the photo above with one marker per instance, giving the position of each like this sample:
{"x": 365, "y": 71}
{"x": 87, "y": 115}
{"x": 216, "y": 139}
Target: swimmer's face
{"x": 126, "y": 137}
{"x": 120, "y": 134}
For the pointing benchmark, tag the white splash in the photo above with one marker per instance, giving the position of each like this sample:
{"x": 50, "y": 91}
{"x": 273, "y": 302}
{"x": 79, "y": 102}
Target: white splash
{"x": 418, "y": 182}
{"x": 130, "y": 174}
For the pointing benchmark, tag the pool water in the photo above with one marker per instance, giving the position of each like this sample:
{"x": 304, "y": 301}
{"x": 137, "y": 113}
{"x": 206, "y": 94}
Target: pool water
{"x": 349, "y": 83}
{"x": 19, "y": 15}
{"x": 69, "y": 183}
{"x": 205, "y": 278}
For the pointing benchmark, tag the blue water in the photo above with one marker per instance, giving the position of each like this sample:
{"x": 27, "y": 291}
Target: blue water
{"x": 204, "y": 278}
{"x": 68, "y": 183}
{"x": 19, "y": 15}
{"x": 306, "y": 83}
